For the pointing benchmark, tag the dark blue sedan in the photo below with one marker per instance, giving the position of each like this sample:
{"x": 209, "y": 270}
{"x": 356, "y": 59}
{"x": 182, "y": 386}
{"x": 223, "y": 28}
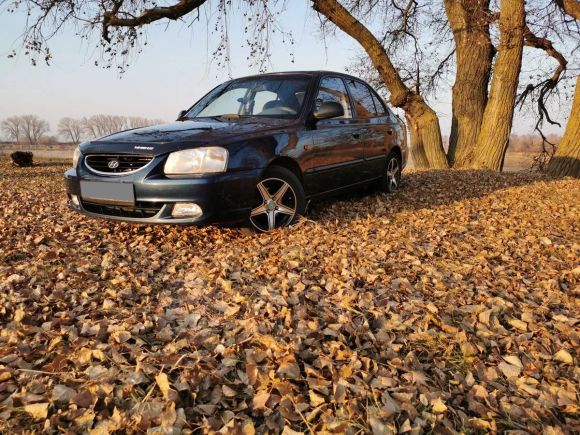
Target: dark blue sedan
{"x": 254, "y": 150}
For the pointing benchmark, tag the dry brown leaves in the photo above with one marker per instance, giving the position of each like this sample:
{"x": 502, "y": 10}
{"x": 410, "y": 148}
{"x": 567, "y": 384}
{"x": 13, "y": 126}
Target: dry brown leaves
{"x": 451, "y": 305}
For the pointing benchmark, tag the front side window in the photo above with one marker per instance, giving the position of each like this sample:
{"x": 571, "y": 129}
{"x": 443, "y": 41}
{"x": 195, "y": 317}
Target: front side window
{"x": 269, "y": 97}
{"x": 333, "y": 89}
{"x": 363, "y": 100}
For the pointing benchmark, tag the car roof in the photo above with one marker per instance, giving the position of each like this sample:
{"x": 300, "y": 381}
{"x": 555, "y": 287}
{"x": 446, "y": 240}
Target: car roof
{"x": 298, "y": 73}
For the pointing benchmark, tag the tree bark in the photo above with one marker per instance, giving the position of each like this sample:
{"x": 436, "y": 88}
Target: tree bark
{"x": 566, "y": 160}
{"x": 493, "y": 139}
{"x": 474, "y": 52}
{"x": 417, "y": 151}
{"x": 426, "y": 120}
{"x": 571, "y": 7}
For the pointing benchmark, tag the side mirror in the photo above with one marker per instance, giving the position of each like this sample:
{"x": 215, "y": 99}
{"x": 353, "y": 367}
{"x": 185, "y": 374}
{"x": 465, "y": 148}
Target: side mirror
{"x": 327, "y": 110}
{"x": 181, "y": 114}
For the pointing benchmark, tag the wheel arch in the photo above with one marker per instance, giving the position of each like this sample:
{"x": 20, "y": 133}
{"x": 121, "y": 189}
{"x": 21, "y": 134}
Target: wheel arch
{"x": 397, "y": 150}
{"x": 288, "y": 163}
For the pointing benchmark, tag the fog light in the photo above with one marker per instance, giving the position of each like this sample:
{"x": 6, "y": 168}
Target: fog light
{"x": 75, "y": 200}
{"x": 186, "y": 210}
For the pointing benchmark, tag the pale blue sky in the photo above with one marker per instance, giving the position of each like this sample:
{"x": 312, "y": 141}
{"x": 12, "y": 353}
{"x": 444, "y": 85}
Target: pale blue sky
{"x": 171, "y": 73}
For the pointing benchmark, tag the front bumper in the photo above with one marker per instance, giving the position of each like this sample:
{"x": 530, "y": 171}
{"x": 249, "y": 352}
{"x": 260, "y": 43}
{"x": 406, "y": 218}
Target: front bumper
{"x": 223, "y": 198}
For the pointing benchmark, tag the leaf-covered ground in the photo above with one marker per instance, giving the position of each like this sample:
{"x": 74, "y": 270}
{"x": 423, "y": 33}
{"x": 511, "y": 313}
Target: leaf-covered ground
{"x": 449, "y": 306}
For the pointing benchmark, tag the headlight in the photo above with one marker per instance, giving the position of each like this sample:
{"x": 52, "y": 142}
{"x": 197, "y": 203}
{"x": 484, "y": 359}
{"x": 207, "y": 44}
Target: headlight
{"x": 76, "y": 156}
{"x": 197, "y": 161}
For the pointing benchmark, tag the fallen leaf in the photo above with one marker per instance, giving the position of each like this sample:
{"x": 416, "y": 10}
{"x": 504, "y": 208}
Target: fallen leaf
{"x": 163, "y": 384}
{"x": 62, "y": 393}
{"x": 564, "y": 357}
{"x": 518, "y": 324}
{"x": 259, "y": 400}
{"x": 514, "y": 360}
{"x": 509, "y": 370}
{"x": 438, "y": 406}
{"x": 38, "y": 411}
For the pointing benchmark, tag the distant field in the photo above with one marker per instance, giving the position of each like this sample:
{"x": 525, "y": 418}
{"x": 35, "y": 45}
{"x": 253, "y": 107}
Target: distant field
{"x": 57, "y": 151}
{"x": 516, "y": 161}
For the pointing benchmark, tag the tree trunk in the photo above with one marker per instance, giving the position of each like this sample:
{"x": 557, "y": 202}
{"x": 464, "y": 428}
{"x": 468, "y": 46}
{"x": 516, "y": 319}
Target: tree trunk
{"x": 428, "y": 131}
{"x": 427, "y": 123}
{"x": 493, "y": 138}
{"x": 417, "y": 151}
{"x": 566, "y": 160}
{"x": 469, "y": 20}
{"x": 571, "y": 7}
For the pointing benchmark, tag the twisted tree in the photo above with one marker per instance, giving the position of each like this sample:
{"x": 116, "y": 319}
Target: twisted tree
{"x": 566, "y": 160}
{"x": 493, "y": 139}
{"x": 474, "y": 53}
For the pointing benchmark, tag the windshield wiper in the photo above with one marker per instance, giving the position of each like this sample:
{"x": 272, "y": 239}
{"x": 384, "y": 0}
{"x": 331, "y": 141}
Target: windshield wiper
{"x": 225, "y": 116}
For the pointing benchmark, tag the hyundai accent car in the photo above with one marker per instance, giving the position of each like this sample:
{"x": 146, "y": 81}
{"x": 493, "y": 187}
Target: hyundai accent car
{"x": 254, "y": 150}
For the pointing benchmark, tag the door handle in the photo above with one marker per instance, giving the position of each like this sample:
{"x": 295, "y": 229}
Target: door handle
{"x": 356, "y": 135}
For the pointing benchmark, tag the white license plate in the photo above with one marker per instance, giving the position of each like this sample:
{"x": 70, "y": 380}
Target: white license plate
{"x": 108, "y": 193}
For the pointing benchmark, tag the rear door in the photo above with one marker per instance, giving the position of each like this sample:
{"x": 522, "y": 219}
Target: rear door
{"x": 339, "y": 151}
{"x": 395, "y": 135}
{"x": 372, "y": 119}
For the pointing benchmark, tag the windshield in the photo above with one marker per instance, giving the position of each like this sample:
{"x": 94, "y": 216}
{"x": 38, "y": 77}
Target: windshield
{"x": 271, "y": 97}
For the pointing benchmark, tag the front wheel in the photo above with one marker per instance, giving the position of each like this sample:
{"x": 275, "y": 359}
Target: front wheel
{"x": 280, "y": 199}
{"x": 392, "y": 177}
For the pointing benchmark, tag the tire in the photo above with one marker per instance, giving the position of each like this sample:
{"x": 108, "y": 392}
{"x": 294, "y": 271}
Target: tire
{"x": 391, "y": 180}
{"x": 280, "y": 200}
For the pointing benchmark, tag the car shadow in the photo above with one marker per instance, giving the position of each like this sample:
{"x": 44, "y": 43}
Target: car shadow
{"x": 420, "y": 189}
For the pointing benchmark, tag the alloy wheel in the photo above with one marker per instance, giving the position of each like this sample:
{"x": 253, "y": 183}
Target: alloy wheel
{"x": 393, "y": 174}
{"x": 277, "y": 205}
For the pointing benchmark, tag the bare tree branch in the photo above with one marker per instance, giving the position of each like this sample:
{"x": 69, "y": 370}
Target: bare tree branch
{"x": 547, "y": 86}
{"x": 147, "y": 16}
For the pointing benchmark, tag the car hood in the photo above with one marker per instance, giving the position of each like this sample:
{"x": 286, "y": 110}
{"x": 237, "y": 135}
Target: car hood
{"x": 161, "y": 139}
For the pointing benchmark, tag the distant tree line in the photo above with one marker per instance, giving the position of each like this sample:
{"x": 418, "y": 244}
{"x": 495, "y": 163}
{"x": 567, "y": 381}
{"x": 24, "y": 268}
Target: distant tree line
{"x": 532, "y": 143}
{"x": 24, "y": 128}
{"x": 31, "y": 129}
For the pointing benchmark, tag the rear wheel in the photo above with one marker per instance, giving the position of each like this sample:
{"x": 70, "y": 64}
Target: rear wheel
{"x": 280, "y": 199}
{"x": 392, "y": 178}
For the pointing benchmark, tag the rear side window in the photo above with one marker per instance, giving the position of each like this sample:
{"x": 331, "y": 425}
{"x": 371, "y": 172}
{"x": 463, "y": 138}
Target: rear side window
{"x": 362, "y": 99}
{"x": 381, "y": 109}
{"x": 333, "y": 89}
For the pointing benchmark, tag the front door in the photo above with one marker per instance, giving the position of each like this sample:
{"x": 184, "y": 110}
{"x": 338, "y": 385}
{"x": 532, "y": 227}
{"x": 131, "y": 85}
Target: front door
{"x": 339, "y": 150}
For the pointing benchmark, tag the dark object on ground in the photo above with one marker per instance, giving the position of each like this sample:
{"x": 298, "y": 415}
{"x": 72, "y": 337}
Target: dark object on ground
{"x": 22, "y": 158}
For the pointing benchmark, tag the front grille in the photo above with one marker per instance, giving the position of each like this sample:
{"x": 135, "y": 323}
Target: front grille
{"x": 140, "y": 210}
{"x": 123, "y": 164}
